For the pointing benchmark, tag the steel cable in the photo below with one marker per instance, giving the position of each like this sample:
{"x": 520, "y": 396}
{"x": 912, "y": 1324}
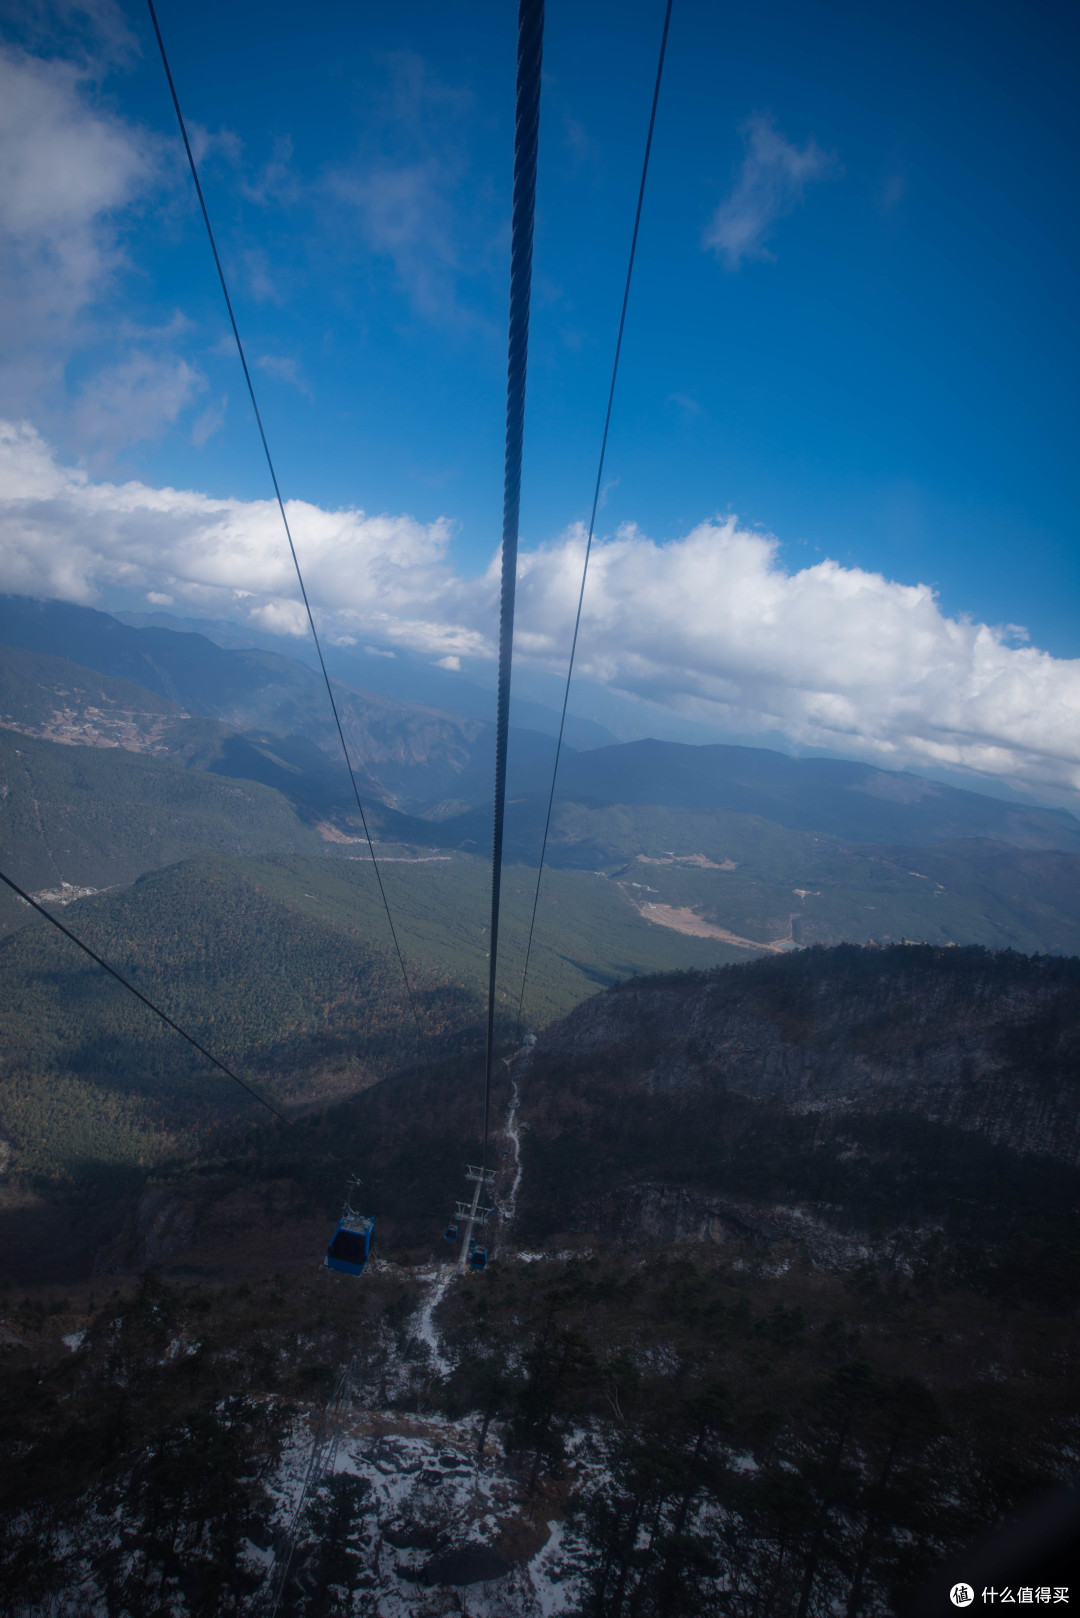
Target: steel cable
{"x": 281, "y": 508}
{"x": 526, "y": 138}
{"x": 596, "y": 496}
{"x": 113, "y": 973}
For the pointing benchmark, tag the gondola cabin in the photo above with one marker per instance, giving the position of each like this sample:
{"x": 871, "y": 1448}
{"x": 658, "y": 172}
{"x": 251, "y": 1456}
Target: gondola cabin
{"x": 478, "y": 1258}
{"x": 450, "y": 1233}
{"x": 350, "y": 1244}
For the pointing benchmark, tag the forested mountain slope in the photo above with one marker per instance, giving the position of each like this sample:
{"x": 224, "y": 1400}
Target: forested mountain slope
{"x": 95, "y": 818}
{"x": 52, "y": 697}
{"x": 55, "y": 700}
{"x": 771, "y": 883}
{"x": 729, "y": 1349}
{"x": 988, "y": 1043}
{"x": 285, "y": 968}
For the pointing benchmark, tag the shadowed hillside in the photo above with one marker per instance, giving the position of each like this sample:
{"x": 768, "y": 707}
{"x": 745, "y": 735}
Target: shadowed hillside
{"x": 735, "y": 1347}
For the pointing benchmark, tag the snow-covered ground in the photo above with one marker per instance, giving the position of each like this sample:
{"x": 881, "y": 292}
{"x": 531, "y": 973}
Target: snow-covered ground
{"x": 424, "y": 1328}
{"x": 434, "y": 1520}
{"x": 513, "y": 1134}
{"x": 440, "y": 1529}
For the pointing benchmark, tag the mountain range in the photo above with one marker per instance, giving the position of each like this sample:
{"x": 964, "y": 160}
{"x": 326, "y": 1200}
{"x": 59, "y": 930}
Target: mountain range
{"x": 766, "y": 1226}
{"x": 127, "y": 747}
{"x": 412, "y": 754}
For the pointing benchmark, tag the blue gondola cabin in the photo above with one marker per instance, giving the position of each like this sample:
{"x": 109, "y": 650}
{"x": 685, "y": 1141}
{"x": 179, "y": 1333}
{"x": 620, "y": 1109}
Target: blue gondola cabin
{"x": 450, "y": 1233}
{"x": 478, "y": 1258}
{"x": 350, "y": 1245}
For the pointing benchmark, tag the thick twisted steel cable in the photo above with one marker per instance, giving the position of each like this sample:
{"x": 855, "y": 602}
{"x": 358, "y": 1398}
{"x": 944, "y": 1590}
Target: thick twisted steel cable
{"x": 281, "y": 506}
{"x": 526, "y": 138}
{"x": 596, "y": 496}
{"x": 123, "y": 981}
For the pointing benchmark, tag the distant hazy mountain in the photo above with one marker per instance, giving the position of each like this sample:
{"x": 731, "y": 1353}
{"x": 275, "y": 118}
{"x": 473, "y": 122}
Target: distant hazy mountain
{"x": 408, "y": 756}
{"x": 430, "y": 762}
{"x": 856, "y": 801}
{"x": 733, "y": 844}
{"x": 396, "y": 674}
{"x": 655, "y": 797}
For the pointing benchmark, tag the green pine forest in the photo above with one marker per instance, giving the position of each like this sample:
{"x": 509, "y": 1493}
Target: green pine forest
{"x": 284, "y": 968}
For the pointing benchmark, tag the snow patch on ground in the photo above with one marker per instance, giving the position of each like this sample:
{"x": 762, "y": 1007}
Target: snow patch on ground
{"x": 513, "y": 1132}
{"x": 428, "y": 1496}
{"x": 556, "y": 1572}
{"x": 424, "y": 1331}
{"x": 742, "y": 1463}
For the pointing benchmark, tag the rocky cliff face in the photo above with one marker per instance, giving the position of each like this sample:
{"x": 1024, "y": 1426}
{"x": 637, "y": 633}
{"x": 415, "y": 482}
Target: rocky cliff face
{"x": 985, "y": 1042}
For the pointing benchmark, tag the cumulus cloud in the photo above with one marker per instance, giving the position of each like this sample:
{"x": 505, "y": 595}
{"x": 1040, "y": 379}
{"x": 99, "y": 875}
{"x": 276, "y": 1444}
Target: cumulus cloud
{"x": 71, "y": 173}
{"x": 827, "y": 656}
{"x": 711, "y": 624}
{"x": 64, "y": 534}
{"x": 770, "y": 184}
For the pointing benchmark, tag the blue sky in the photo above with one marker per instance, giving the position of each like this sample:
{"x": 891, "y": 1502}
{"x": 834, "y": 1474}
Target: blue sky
{"x": 853, "y": 323}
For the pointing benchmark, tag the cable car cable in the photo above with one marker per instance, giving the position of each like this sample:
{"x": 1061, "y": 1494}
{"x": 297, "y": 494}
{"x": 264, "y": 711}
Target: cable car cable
{"x": 596, "y": 492}
{"x": 175, "y": 1026}
{"x": 281, "y": 507}
{"x": 526, "y": 136}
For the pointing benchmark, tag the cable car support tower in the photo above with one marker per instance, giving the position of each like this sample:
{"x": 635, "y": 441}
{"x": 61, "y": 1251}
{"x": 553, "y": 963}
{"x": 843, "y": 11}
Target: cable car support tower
{"x": 474, "y": 1215}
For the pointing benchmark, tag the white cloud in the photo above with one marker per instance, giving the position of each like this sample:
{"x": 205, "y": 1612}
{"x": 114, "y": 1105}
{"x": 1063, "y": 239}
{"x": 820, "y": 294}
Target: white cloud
{"x": 283, "y": 369}
{"x": 279, "y": 618}
{"x": 277, "y": 182}
{"x": 712, "y": 625}
{"x": 63, "y": 533}
{"x": 771, "y": 182}
{"x": 65, "y": 171}
{"x": 407, "y": 193}
{"x": 135, "y": 400}
{"x": 264, "y": 288}
{"x": 405, "y": 214}
{"x": 210, "y": 421}
{"x": 71, "y": 174}
{"x": 95, "y": 30}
